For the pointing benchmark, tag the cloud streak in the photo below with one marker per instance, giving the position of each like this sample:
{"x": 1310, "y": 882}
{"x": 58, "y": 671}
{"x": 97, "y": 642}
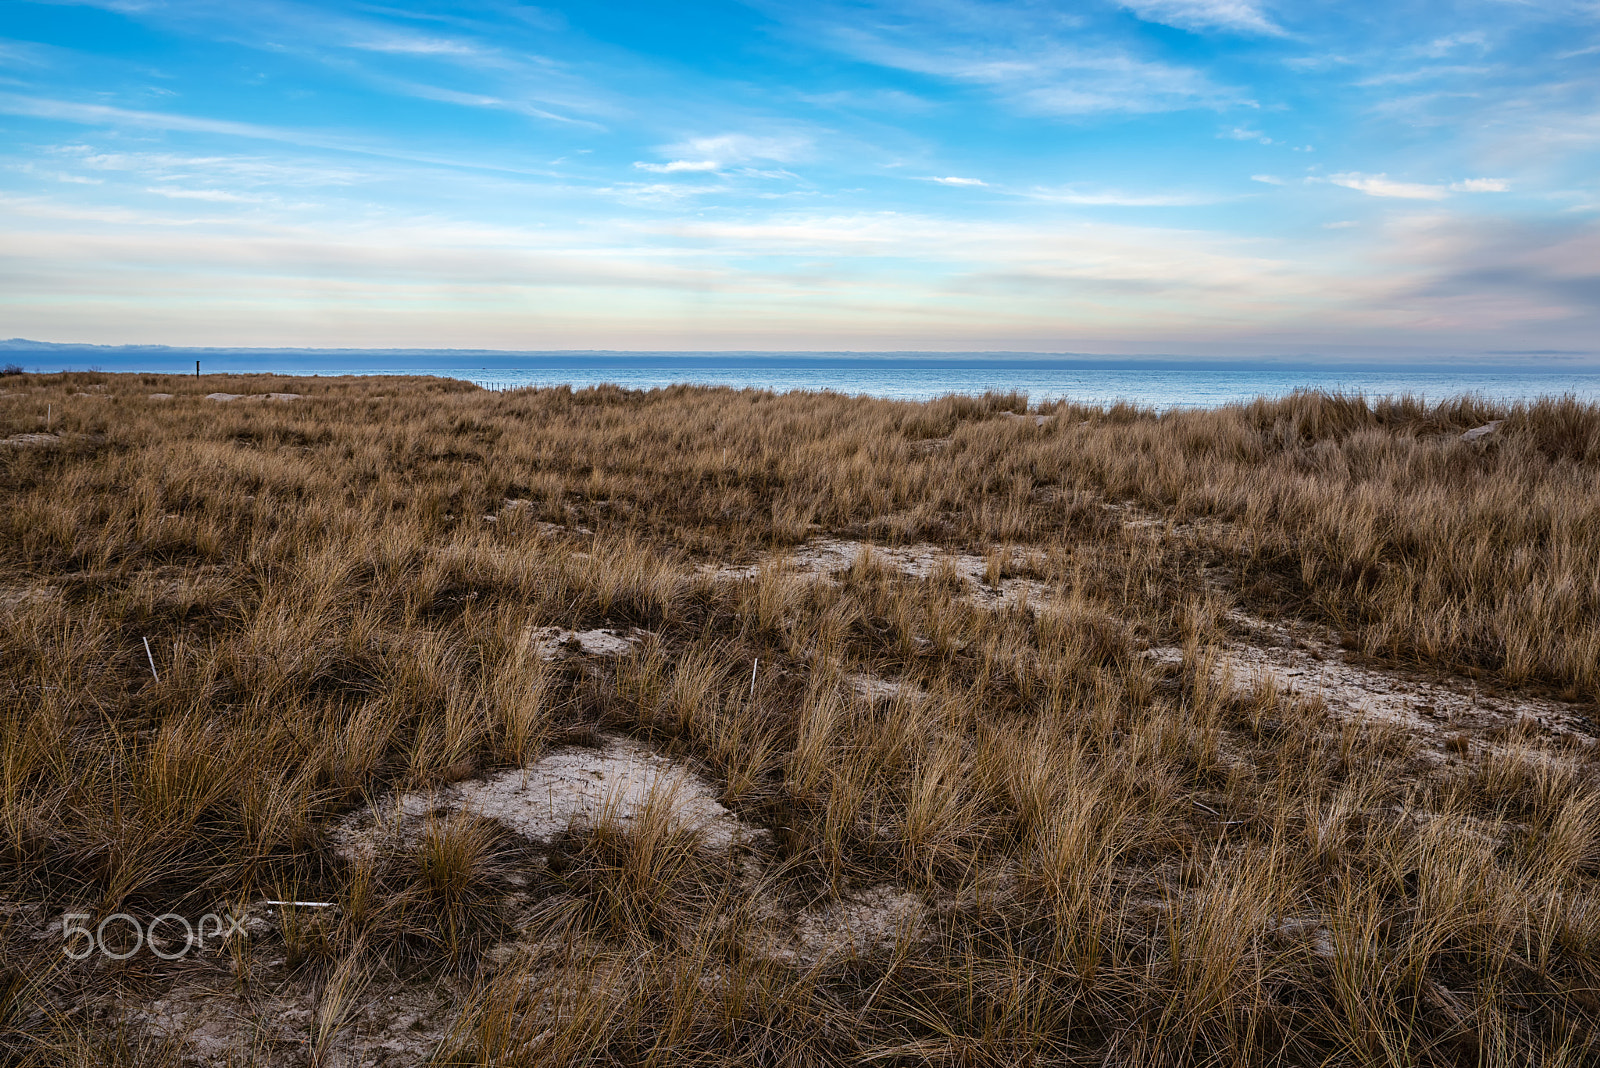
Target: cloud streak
{"x": 1039, "y": 62}
{"x": 1239, "y": 16}
{"x": 1381, "y": 185}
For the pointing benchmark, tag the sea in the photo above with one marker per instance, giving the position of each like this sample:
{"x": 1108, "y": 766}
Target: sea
{"x": 1156, "y": 383}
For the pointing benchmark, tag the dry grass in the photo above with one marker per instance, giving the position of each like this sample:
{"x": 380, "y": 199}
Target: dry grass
{"x": 1112, "y": 860}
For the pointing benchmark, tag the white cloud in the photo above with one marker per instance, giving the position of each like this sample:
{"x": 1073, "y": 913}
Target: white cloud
{"x": 1441, "y": 46}
{"x": 1381, "y": 185}
{"x": 654, "y": 192}
{"x": 679, "y": 166}
{"x": 405, "y": 44}
{"x": 952, "y": 180}
{"x": 1324, "y": 61}
{"x": 480, "y": 100}
{"x": 102, "y": 114}
{"x": 704, "y": 154}
{"x": 1237, "y": 15}
{"x": 1269, "y": 179}
{"x": 105, "y": 115}
{"x": 1114, "y": 198}
{"x": 1245, "y": 133}
{"x": 215, "y": 196}
{"x": 1342, "y": 224}
{"x": 1482, "y": 185}
{"x": 739, "y": 147}
{"x": 1034, "y": 56}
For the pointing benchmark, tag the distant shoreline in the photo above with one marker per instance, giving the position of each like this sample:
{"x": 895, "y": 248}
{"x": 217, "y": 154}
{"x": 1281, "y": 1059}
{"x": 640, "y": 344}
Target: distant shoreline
{"x": 1156, "y": 389}
{"x": 48, "y": 357}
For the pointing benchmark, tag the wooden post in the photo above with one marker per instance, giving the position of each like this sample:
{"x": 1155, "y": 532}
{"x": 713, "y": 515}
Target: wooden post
{"x": 197, "y": 370}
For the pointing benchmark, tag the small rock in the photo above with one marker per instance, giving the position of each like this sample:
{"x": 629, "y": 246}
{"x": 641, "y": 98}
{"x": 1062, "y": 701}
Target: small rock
{"x": 160, "y": 396}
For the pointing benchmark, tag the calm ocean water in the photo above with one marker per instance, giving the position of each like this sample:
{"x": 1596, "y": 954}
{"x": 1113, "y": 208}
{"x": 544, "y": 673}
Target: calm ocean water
{"x": 1159, "y": 389}
{"x": 1155, "y": 383}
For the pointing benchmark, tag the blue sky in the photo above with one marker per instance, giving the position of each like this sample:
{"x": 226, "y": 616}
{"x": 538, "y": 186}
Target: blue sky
{"x": 1215, "y": 177}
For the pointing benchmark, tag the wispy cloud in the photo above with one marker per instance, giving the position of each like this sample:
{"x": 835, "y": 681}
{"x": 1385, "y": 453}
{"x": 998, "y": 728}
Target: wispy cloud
{"x": 407, "y": 44}
{"x": 714, "y": 153}
{"x": 1381, "y": 185}
{"x": 444, "y": 95}
{"x": 1239, "y": 16}
{"x": 1039, "y": 60}
{"x": 679, "y": 166}
{"x": 1245, "y": 133}
{"x": 1443, "y": 46}
{"x": 1266, "y": 178}
{"x": 215, "y": 196}
{"x": 1117, "y": 198}
{"x": 953, "y": 180}
{"x": 245, "y": 170}
{"x": 106, "y": 115}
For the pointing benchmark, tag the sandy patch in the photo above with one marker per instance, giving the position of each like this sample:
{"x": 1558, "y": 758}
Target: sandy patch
{"x": 513, "y": 505}
{"x": 383, "y": 1023}
{"x": 1305, "y": 660}
{"x": 876, "y": 688}
{"x": 825, "y": 559}
{"x": 569, "y": 788}
{"x": 31, "y": 440}
{"x": 252, "y": 396}
{"x": 23, "y": 596}
{"x": 160, "y": 396}
{"x": 557, "y": 643}
{"x": 855, "y": 925}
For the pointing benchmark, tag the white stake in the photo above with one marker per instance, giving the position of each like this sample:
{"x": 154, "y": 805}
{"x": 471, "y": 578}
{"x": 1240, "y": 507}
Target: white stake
{"x": 49, "y": 411}
{"x": 753, "y": 678}
{"x": 152, "y": 659}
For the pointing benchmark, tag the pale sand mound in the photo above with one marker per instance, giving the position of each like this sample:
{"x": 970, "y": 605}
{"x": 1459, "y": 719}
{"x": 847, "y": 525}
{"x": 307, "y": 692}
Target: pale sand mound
{"x": 573, "y": 787}
{"x": 252, "y": 396}
{"x": 1303, "y": 660}
{"x": 23, "y": 596}
{"x": 857, "y": 924}
{"x": 25, "y": 440}
{"x": 556, "y": 643}
{"x": 160, "y": 396}
{"x": 825, "y": 557}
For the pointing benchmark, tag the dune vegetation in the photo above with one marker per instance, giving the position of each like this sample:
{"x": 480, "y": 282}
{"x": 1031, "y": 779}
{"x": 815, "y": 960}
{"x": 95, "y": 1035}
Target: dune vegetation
{"x": 698, "y": 726}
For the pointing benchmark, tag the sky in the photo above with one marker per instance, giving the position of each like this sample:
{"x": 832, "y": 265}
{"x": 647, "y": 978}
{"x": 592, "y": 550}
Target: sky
{"x": 1203, "y": 177}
